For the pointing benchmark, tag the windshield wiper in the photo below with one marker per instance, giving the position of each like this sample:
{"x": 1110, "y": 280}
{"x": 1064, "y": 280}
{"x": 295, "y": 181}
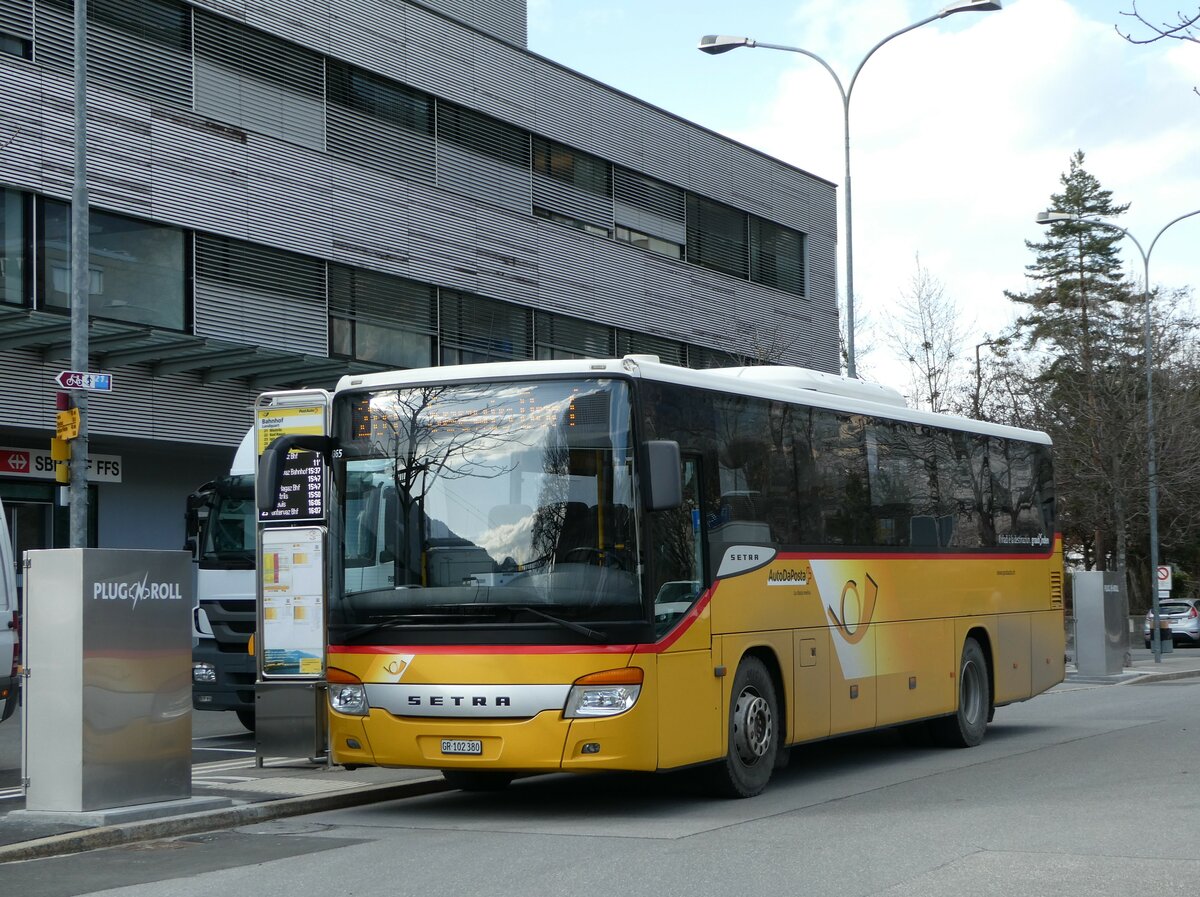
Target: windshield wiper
{"x": 566, "y": 624}
{"x": 394, "y": 623}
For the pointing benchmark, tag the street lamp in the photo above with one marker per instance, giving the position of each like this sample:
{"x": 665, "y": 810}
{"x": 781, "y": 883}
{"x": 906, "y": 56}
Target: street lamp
{"x": 1051, "y": 217}
{"x": 720, "y": 43}
{"x": 979, "y": 378}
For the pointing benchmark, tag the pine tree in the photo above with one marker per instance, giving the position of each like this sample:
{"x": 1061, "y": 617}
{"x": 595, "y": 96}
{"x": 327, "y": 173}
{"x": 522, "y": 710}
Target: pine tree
{"x": 1079, "y": 315}
{"x": 1076, "y": 313}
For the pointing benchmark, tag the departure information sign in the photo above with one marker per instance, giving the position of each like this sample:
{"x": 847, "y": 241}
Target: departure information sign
{"x": 301, "y": 495}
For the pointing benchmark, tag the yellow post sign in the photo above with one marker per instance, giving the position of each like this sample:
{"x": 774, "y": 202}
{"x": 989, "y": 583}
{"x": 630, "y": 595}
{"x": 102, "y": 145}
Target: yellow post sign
{"x": 67, "y": 424}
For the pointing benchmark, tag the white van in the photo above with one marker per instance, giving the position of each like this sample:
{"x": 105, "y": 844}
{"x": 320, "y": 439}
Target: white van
{"x": 8, "y": 622}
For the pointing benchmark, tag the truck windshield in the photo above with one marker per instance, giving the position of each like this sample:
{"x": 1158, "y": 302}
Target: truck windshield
{"x": 488, "y": 503}
{"x": 230, "y": 528}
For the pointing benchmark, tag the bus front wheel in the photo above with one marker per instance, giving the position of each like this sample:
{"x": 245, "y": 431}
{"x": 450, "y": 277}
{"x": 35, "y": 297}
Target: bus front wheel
{"x": 753, "y": 734}
{"x": 966, "y": 727}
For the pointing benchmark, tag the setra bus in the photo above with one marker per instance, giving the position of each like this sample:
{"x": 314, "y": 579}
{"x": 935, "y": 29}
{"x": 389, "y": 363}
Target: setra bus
{"x": 620, "y": 564}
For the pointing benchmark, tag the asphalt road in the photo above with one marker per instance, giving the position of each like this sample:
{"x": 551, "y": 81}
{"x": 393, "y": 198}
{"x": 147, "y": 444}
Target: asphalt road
{"x": 1082, "y": 791}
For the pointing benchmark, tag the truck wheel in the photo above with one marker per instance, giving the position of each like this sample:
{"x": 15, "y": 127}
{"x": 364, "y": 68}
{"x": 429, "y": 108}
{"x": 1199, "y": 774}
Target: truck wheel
{"x": 477, "y": 780}
{"x": 966, "y": 727}
{"x": 753, "y": 734}
{"x": 246, "y": 718}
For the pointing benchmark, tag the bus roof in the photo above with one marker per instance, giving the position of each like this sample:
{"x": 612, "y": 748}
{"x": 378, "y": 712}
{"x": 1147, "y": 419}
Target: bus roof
{"x": 782, "y": 383}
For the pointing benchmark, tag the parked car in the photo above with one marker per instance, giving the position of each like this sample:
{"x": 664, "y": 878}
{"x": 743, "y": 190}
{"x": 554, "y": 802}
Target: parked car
{"x": 1182, "y": 615}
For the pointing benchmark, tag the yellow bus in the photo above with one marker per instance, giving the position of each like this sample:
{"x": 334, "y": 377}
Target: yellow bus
{"x": 619, "y": 564}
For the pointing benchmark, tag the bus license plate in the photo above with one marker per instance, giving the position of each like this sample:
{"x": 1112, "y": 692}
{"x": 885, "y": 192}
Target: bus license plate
{"x": 461, "y": 746}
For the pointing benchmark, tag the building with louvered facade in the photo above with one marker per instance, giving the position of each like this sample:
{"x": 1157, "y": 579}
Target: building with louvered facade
{"x": 286, "y": 191}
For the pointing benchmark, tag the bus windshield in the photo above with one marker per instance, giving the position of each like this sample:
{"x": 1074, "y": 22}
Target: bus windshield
{"x": 489, "y": 503}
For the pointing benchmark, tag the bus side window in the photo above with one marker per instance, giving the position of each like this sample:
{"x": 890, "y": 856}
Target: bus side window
{"x": 679, "y": 551}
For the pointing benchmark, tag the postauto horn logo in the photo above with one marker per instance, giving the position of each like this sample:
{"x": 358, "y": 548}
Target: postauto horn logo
{"x": 134, "y": 591}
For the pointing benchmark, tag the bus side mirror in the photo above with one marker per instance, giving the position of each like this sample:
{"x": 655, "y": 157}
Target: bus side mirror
{"x": 274, "y": 456}
{"x": 662, "y": 482}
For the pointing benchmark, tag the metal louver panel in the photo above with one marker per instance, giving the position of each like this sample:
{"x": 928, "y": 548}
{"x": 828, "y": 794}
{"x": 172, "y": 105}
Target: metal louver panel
{"x": 370, "y": 296}
{"x": 141, "y": 47}
{"x": 504, "y": 19}
{"x": 572, "y": 183}
{"x": 369, "y": 214}
{"x": 669, "y": 351}
{"x": 558, "y": 336}
{"x": 650, "y": 206}
{"x": 506, "y": 255}
{"x": 483, "y": 157}
{"x": 259, "y": 82}
{"x": 776, "y": 256}
{"x": 378, "y": 122}
{"x": 16, "y": 18}
{"x": 484, "y": 329}
{"x": 716, "y": 236}
{"x": 54, "y": 48}
{"x": 260, "y": 296}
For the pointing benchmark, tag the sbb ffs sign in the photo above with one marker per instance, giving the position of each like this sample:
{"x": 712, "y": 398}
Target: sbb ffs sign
{"x": 38, "y": 465}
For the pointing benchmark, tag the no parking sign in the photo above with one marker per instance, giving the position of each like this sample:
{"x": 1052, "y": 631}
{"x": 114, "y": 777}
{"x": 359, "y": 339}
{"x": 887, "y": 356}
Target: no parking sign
{"x": 1164, "y": 579}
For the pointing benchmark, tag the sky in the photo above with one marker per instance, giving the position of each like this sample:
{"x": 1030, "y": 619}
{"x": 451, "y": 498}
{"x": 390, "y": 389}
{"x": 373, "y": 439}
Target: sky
{"x": 960, "y": 129}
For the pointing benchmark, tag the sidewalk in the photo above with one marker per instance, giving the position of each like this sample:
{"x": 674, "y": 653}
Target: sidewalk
{"x": 227, "y": 795}
{"x": 224, "y": 795}
{"x": 1181, "y": 663}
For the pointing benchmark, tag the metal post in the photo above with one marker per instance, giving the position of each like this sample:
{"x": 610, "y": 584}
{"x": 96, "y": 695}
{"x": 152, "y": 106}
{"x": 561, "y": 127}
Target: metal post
{"x": 717, "y": 44}
{"x": 80, "y": 284}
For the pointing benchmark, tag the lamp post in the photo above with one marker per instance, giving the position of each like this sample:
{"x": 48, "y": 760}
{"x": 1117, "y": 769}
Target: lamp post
{"x": 720, "y": 43}
{"x": 1051, "y": 217}
{"x": 979, "y": 378}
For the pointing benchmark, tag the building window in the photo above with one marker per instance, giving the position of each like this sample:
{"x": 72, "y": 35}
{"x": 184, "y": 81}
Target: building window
{"x": 572, "y": 167}
{"x": 558, "y": 218}
{"x": 557, "y": 336}
{"x": 15, "y": 46}
{"x": 259, "y": 82}
{"x": 649, "y": 242}
{"x": 716, "y": 236}
{"x": 649, "y": 214}
{"x": 381, "y": 98}
{"x": 14, "y": 247}
{"x": 475, "y": 329}
{"x": 380, "y": 318}
{"x": 776, "y": 256}
{"x": 669, "y": 351}
{"x": 138, "y": 270}
{"x": 483, "y": 134}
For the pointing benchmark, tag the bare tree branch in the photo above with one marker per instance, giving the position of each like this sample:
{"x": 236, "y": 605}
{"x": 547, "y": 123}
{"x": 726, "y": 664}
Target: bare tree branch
{"x": 1185, "y": 28}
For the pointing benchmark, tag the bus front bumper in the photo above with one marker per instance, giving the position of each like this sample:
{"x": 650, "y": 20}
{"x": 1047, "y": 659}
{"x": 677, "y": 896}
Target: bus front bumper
{"x": 544, "y": 743}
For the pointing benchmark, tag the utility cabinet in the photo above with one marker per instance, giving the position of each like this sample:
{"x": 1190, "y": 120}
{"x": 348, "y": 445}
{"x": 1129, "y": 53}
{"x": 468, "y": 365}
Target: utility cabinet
{"x": 108, "y": 698}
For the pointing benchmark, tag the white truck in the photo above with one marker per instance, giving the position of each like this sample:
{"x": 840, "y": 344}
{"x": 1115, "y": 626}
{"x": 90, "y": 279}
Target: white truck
{"x": 221, "y": 524}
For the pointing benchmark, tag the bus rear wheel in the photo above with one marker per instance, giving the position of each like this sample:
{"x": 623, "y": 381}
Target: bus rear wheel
{"x": 966, "y": 727}
{"x": 476, "y": 779}
{"x": 753, "y": 734}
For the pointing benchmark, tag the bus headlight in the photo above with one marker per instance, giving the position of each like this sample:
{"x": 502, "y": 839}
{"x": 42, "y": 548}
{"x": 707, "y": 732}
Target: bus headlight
{"x": 604, "y": 694}
{"x": 347, "y": 694}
